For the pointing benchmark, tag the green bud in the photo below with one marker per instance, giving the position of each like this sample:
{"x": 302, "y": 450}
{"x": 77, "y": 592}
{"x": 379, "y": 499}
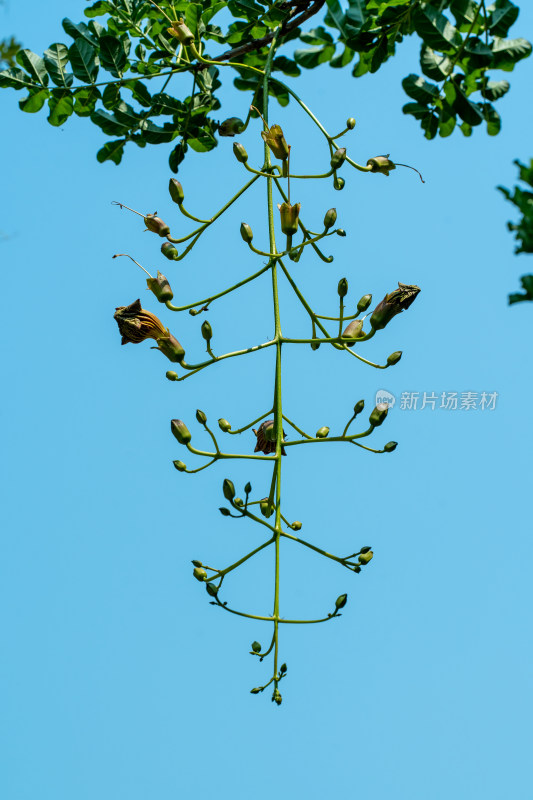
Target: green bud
{"x": 246, "y": 233}
{"x": 248, "y": 488}
{"x": 296, "y": 526}
{"x": 240, "y": 153}
{"x": 267, "y": 509}
{"x": 322, "y": 433}
{"x": 276, "y": 697}
{"x": 356, "y": 569}
{"x": 338, "y": 158}
{"x": 176, "y": 191}
{"x": 269, "y": 431}
{"x": 330, "y": 218}
{"x": 340, "y": 602}
{"x": 160, "y": 286}
{"x": 364, "y": 558}
{"x": 181, "y": 32}
{"x": 315, "y": 345}
{"x": 342, "y": 288}
{"x": 224, "y": 425}
{"x": 156, "y": 225}
{"x": 170, "y": 347}
{"x": 392, "y": 304}
{"x": 289, "y": 215}
{"x": 377, "y": 417}
{"x": 169, "y": 251}
{"x": 211, "y": 589}
{"x": 238, "y": 502}
{"x": 180, "y": 431}
{"x": 172, "y": 376}
{"x": 365, "y": 549}
{"x": 196, "y": 563}
{"x": 230, "y": 126}
{"x": 207, "y": 331}
{"x": 180, "y": 466}
{"x": 256, "y": 647}
{"x": 353, "y": 331}
{"x": 381, "y": 164}
{"x": 358, "y": 407}
{"x": 228, "y": 489}
{"x": 255, "y": 691}
{"x": 199, "y": 573}
{"x": 340, "y": 232}
{"x": 350, "y": 123}
{"x": 394, "y": 358}
{"x": 225, "y": 512}
{"x": 390, "y": 446}
{"x": 283, "y": 669}
{"x": 201, "y": 417}
{"x": 338, "y": 184}
{"x": 364, "y": 302}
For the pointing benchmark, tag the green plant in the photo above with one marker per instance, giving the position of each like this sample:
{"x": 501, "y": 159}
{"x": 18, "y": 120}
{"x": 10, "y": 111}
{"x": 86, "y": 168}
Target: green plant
{"x": 272, "y": 443}
{"x": 522, "y": 199}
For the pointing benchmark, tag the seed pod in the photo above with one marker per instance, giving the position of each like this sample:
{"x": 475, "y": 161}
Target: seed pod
{"x": 211, "y": 589}
{"x": 364, "y": 558}
{"x": 322, "y": 433}
{"x": 207, "y": 331}
{"x": 342, "y": 288}
{"x": 176, "y": 191}
{"x": 224, "y": 425}
{"x": 358, "y": 407}
{"x": 230, "y": 126}
{"x": 172, "y": 376}
{"x": 201, "y": 417}
{"x": 239, "y": 151}
{"x": 181, "y": 467}
{"x": 353, "y": 331}
{"x": 160, "y": 286}
{"x": 156, "y": 225}
{"x": 228, "y": 489}
{"x": 289, "y": 217}
{"x": 338, "y": 184}
{"x": 199, "y": 573}
{"x": 330, "y": 218}
{"x": 394, "y": 358}
{"x": 246, "y": 232}
{"x": 181, "y": 32}
{"x": 180, "y": 431}
{"x": 390, "y": 446}
{"x": 169, "y": 251}
{"x": 364, "y": 302}
{"x": 296, "y": 526}
{"x": 377, "y": 417}
{"x": 338, "y": 158}
{"x": 340, "y": 602}
{"x": 381, "y": 164}
{"x": 350, "y": 123}
{"x": 267, "y": 509}
{"x": 170, "y": 347}
{"x": 256, "y": 647}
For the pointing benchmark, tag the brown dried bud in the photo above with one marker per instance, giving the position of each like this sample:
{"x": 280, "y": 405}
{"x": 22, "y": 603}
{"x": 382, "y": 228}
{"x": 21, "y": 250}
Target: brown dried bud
{"x": 266, "y": 438}
{"x": 180, "y": 431}
{"x": 156, "y": 225}
{"x": 395, "y": 302}
{"x": 137, "y": 324}
{"x": 160, "y": 287}
{"x": 353, "y": 331}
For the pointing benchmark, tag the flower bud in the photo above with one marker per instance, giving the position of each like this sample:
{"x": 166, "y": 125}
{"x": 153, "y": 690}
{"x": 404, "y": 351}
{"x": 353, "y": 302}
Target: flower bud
{"x": 180, "y": 431}
{"x": 340, "y": 602}
{"x": 394, "y": 358}
{"x": 381, "y": 164}
{"x": 255, "y": 691}
{"x": 256, "y": 647}
{"x": 364, "y": 558}
{"x": 238, "y": 502}
{"x": 224, "y": 425}
{"x": 357, "y": 568}
{"x": 330, "y": 218}
{"x": 172, "y": 376}
{"x": 364, "y": 302}
{"x": 207, "y": 331}
{"x": 228, "y": 489}
{"x": 199, "y": 573}
{"x": 338, "y": 158}
{"x": 283, "y": 669}
{"x": 225, "y": 512}
{"x": 160, "y": 286}
{"x": 201, "y": 417}
{"x": 169, "y": 251}
{"x": 289, "y": 217}
{"x": 390, "y": 446}
{"x": 246, "y": 233}
{"x": 176, "y": 191}
{"x": 358, "y": 407}
{"x": 350, "y": 123}
{"x": 377, "y": 417}
{"x": 276, "y": 697}
{"x": 275, "y": 139}
{"x": 230, "y": 126}
{"x": 322, "y": 433}
{"x": 170, "y": 347}
{"x": 315, "y": 345}
{"x": 211, "y": 589}
{"x": 156, "y": 225}
{"x": 196, "y": 563}
{"x": 338, "y": 184}
{"x": 393, "y": 303}
{"x": 181, "y": 32}
{"x": 353, "y": 331}
{"x": 365, "y": 549}
{"x": 342, "y": 288}
{"x": 340, "y": 232}
{"x": 266, "y": 507}
{"x": 239, "y": 151}
{"x": 248, "y": 488}
{"x": 180, "y": 466}
{"x": 296, "y": 526}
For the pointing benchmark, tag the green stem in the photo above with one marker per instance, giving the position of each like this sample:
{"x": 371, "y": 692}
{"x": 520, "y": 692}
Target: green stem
{"x": 213, "y": 297}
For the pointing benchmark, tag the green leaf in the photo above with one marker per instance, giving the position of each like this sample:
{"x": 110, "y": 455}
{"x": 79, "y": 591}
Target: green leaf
{"x": 113, "y": 55}
{"x": 435, "y": 66}
{"x": 469, "y": 112}
{"x": 313, "y": 56}
{"x": 139, "y": 92}
{"x": 176, "y": 156}
{"x": 204, "y": 142}
{"x": 493, "y": 119}
{"x": 508, "y": 51}
{"x": 380, "y": 54}
{"x": 417, "y": 110}
{"x": 527, "y": 283}
{"x": 109, "y": 124}
{"x": 419, "y": 89}
{"x": 166, "y": 104}
{"x": 317, "y": 36}
{"x": 34, "y": 101}
{"x": 342, "y": 59}
{"x": 61, "y": 104}
{"x": 98, "y": 9}
{"x": 125, "y": 115}
{"x": 56, "y": 59}
{"x": 336, "y": 13}
{"x": 14, "y": 78}
{"x": 430, "y": 126}
{"x": 111, "y": 151}
{"x": 84, "y": 61}
{"x": 355, "y": 17}
{"x": 447, "y": 120}
{"x": 504, "y": 15}
{"x": 34, "y": 65}
{"x": 465, "y": 12}
{"x": 155, "y": 134}
{"x": 496, "y": 89}
{"x": 85, "y": 100}
{"x": 436, "y": 31}
{"x": 111, "y": 96}
{"x": 287, "y": 66}
{"x": 79, "y": 31}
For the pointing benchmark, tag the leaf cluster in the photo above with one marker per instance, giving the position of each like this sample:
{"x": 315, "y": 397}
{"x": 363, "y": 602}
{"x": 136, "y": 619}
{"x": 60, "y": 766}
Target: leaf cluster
{"x": 522, "y": 199}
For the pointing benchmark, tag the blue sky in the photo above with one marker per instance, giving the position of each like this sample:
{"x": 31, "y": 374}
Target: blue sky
{"x": 119, "y": 680}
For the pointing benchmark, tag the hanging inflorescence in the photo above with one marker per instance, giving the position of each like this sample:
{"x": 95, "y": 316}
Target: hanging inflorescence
{"x": 272, "y": 442}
